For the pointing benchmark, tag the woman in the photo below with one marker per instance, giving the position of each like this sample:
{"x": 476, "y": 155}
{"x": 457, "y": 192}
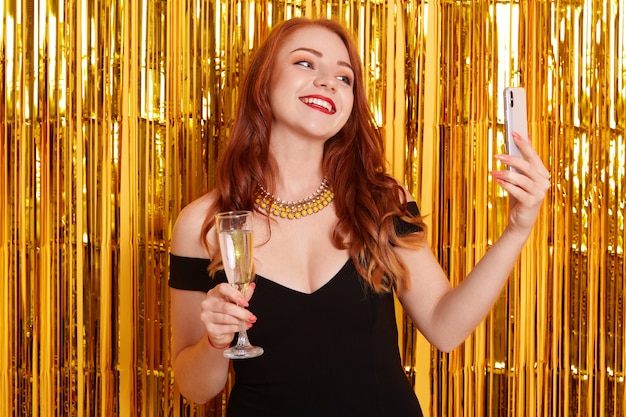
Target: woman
{"x": 322, "y": 303}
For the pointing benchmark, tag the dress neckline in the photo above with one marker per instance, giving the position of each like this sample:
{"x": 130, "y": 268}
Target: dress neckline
{"x": 322, "y": 288}
{"x": 285, "y": 288}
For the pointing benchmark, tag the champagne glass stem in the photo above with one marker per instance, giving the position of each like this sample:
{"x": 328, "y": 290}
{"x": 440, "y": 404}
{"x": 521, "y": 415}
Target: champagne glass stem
{"x": 242, "y": 337}
{"x": 243, "y": 348}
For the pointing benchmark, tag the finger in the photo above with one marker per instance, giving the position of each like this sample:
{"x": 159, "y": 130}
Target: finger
{"x": 249, "y": 291}
{"x": 531, "y": 156}
{"x": 230, "y": 293}
{"x": 525, "y": 175}
{"x": 533, "y": 170}
{"x": 522, "y": 188}
{"x": 221, "y": 325}
{"x": 223, "y": 311}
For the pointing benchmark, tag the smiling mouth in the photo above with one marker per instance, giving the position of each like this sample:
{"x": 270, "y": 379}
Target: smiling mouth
{"x": 319, "y": 104}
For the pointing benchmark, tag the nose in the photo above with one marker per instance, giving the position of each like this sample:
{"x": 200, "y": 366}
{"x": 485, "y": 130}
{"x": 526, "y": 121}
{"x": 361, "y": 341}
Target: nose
{"x": 326, "y": 80}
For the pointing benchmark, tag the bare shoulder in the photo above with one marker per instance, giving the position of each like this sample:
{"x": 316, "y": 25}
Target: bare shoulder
{"x": 404, "y": 191}
{"x": 187, "y": 236}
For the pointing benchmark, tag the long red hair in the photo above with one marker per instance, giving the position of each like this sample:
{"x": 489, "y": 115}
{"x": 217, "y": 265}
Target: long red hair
{"x": 366, "y": 197}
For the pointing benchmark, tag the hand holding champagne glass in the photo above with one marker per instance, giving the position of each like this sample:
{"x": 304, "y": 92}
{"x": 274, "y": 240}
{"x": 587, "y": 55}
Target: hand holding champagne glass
{"x": 234, "y": 230}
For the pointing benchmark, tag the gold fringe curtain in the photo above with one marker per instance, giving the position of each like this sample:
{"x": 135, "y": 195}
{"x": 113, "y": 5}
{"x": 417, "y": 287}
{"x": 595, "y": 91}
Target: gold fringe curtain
{"x": 111, "y": 117}
{"x": 554, "y": 343}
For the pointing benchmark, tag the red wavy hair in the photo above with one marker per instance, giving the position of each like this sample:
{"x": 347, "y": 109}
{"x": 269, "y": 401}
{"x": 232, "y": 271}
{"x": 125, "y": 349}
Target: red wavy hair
{"x": 366, "y": 197}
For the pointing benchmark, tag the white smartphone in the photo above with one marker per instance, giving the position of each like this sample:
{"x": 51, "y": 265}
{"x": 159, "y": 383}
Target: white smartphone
{"x": 515, "y": 118}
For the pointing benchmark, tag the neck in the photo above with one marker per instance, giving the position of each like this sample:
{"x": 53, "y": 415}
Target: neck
{"x": 298, "y": 175}
{"x": 297, "y": 159}
{"x": 297, "y": 185}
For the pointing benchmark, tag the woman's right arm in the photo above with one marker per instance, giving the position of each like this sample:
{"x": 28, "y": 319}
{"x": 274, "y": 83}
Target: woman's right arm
{"x": 200, "y": 370}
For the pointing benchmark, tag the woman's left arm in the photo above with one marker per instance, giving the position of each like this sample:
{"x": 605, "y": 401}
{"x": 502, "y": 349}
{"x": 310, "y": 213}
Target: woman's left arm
{"x": 446, "y": 315}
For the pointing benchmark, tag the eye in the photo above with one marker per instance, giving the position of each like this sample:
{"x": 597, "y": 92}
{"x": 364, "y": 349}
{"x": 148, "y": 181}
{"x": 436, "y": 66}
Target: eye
{"x": 304, "y": 63}
{"x": 344, "y": 78}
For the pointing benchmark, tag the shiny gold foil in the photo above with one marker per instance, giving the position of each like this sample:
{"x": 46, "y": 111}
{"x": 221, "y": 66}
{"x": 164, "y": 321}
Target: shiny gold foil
{"x": 112, "y": 116}
{"x": 553, "y": 344}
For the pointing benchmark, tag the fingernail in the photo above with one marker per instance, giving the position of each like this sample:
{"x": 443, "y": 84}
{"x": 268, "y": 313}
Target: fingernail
{"x": 252, "y": 318}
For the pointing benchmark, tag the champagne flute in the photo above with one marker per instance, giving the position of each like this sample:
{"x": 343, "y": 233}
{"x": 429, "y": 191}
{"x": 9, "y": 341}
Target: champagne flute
{"x": 234, "y": 230}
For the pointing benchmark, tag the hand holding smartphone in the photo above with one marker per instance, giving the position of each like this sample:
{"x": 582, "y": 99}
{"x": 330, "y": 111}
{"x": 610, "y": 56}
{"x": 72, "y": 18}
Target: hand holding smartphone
{"x": 515, "y": 118}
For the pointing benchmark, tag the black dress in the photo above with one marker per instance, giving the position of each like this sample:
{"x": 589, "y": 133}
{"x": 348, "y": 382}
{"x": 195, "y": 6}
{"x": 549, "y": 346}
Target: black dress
{"x": 330, "y": 353}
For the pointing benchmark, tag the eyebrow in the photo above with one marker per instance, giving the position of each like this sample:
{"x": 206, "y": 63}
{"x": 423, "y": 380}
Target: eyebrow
{"x": 319, "y": 54}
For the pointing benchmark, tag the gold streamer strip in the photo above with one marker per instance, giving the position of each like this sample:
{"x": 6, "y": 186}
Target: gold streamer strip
{"x": 111, "y": 118}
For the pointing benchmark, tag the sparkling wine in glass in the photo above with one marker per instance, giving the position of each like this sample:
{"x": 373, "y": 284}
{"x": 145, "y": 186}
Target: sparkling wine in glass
{"x": 234, "y": 230}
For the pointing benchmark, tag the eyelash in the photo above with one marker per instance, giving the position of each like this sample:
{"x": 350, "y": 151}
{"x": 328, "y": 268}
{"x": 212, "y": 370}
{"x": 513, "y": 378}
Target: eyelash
{"x": 343, "y": 78}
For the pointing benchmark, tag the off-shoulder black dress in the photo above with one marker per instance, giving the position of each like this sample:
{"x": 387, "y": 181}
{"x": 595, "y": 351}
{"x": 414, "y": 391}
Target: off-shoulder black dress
{"x": 330, "y": 353}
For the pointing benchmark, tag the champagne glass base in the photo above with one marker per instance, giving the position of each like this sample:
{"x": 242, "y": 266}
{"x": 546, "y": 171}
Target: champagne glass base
{"x": 243, "y": 352}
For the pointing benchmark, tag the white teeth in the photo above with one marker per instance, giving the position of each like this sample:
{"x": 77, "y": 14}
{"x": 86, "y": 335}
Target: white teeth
{"x": 318, "y": 102}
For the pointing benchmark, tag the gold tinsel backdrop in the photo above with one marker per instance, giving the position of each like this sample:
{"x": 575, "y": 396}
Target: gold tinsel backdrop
{"x": 112, "y": 114}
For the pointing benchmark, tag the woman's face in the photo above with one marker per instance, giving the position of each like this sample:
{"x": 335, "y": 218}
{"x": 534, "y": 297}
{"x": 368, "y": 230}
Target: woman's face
{"x": 311, "y": 89}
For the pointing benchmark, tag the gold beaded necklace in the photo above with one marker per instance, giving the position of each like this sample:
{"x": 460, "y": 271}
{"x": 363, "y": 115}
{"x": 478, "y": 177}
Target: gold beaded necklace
{"x": 322, "y": 197}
